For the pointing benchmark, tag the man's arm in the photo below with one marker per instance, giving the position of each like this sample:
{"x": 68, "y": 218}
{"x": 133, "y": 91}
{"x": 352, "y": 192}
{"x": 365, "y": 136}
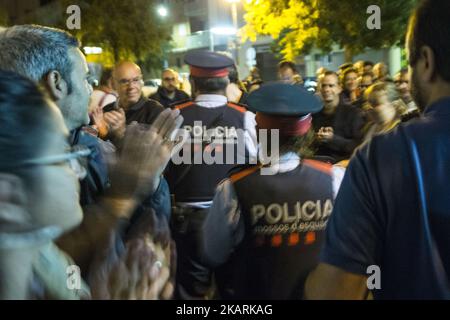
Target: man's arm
{"x": 223, "y": 228}
{"x": 137, "y": 174}
{"x": 339, "y": 143}
{"x": 328, "y": 282}
{"x": 99, "y": 221}
{"x": 251, "y": 140}
{"x": 354, "y": 236}
{"x": 355, "y": 124}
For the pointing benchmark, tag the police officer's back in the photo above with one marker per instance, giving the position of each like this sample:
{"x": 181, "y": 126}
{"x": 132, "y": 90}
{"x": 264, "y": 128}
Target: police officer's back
{"x": 216, "y": 128}
{"x": 265, "y": 227}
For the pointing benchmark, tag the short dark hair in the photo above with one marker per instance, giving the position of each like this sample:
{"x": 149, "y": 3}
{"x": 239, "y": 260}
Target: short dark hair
{"x": 210, "y": 85}
{"x": 106, "y": 76}
{"x": 331, "y": 73}
{"x": 428, "y": 26}
{"x": 368, "y": 63}
{"x": 233, "y": 74}
{"x": 33, "y": 51}
{"x": 287, "y": 64}
{"x": 345, "y": 66}
{"x": 347, "y": 71}
{"x": 368, "y": 74}
{"x": 27, "y": 121}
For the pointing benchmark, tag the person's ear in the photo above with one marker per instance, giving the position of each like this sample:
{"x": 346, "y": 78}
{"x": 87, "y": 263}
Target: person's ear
{"x": 114, "y": 85}
{"x": 111, "y": 83}
{"x": 56, "y": 85}
{"x": 427, "y": 64}
{"x": 193, "y": 88}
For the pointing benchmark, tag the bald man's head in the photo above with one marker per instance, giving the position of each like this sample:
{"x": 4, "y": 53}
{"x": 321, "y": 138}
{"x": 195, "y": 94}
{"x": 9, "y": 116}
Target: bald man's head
{"x": 128, "y": 82}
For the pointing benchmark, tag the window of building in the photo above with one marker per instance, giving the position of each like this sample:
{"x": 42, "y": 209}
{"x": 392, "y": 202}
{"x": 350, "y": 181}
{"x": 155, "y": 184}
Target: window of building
{"x": 197, "y": 24}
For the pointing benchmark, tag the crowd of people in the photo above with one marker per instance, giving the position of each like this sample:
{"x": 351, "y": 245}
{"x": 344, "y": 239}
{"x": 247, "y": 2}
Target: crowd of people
{"x": 90, "y": 179}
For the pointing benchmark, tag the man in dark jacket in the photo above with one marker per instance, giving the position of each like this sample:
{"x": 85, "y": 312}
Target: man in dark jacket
{"x": 168, "y": 93}
{"x": 338, "y": 126}
{"x": 127, "y": 79}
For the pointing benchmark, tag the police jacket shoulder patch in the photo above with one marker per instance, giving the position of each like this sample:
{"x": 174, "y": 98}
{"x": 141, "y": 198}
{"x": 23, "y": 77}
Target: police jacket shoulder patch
{"x": 239, "y": 107}
{"x": 244, "y": 172}
{"x": 319, "y": 165}
{"x": 182, "y": 105}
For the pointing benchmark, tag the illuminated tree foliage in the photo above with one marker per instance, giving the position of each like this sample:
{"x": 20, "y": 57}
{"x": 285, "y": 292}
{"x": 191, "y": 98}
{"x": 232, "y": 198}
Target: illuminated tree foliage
{"x": 299, "y": 25}
{"x": 292, "y": 22}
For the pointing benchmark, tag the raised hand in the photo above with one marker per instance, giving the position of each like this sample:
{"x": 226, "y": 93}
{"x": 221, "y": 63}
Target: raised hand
{"x": 325, "y": 134}
{"x": 13, "y": 214}
{"x": 100, "y": 122}
{"x": 144, "y": 156}
{"x": 140, "y": 272}
{"x": 116, "y": 122}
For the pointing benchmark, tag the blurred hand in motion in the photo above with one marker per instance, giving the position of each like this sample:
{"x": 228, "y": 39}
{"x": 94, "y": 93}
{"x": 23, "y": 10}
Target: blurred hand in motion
{"x": 100, "y": 123}
{"x": 13, "y": 214}
{"x": 151, "y": 226}
{"x": 140, "y": 272}
{"x": 116, "y": 122}
{"x": 144, "y": 155}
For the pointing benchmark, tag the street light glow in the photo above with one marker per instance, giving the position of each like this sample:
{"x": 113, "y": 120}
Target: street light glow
{"x": 92, "y": 50}
{"x": 162, "y": 11}
{"x": 224, "y": 31}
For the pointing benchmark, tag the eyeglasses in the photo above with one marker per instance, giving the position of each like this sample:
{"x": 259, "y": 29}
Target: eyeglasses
{"x": 169, "y": 79}
{"x": 71, "y": 157}
{"x": 127, "y": 82}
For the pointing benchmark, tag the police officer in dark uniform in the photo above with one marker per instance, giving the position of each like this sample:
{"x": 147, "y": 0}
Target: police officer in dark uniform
{"x": 217, "y": 130}
{"x": 266, "y": 225}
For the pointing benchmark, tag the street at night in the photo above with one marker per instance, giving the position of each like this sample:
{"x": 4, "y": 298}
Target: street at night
{"x": 217, "y": 151}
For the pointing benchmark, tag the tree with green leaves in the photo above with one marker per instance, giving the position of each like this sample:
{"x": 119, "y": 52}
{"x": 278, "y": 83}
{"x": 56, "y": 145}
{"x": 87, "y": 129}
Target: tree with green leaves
{"x": 127, "y": 30}
{"x": 3, "y": 17}
{"x": 298, "y": 26}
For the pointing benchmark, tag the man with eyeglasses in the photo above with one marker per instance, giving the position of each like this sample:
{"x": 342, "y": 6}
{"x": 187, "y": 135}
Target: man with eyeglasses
{"x": 168, "y": 93}
{"x": 128, "y": 82}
